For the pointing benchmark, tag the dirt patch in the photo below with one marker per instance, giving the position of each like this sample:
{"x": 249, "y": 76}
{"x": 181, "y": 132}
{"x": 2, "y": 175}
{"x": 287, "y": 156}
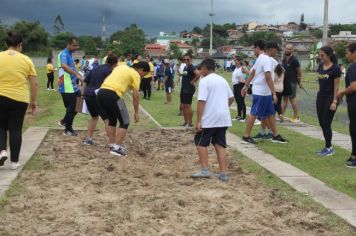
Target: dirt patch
{"x": 84, "y": 190}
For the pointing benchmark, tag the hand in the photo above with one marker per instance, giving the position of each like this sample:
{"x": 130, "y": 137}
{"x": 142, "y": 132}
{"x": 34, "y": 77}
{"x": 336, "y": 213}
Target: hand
{"x": 79, "y": 76}
{"x": 192, "y": 82}
{"x": 333, "y": 106}
{"x": 301, "y": 85}
{"x": 339, "y": 96}
{"x": 243, "y": 91}
{"x": 33, "y": 106}
{"x": 275, "y": 99}
{"x": 198, "y": 127}
{"x": 136, "y": 117}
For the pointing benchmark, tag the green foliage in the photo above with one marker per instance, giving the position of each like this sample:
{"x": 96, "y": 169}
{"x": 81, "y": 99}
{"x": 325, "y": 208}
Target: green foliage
{"x": 2, "y": 36}
{"x": 250, "y": 38}
{"x": 217, "y": 41}
{"x": 90, "y": 44}
{"x": 35, "y": 37}
{"x": 175, "y": 51}
{"x": 197, "y": 30}
{"x": 131, "y": 40}
{"x": 60, "y": 40}
{"x": 340, "y": 51}
{"x": 335, "y": 29}
{"x": 317, "y": 33}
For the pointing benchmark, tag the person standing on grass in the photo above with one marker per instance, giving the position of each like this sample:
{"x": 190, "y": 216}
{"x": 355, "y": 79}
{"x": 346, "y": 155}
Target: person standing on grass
{"x": 92, "y": 82}
{"x": 112, "y": 106}
{"x": 350, "y": 93}
{"x": 68, "y": 86}
{"x": 263, "y": 92}
{"x": 278, "y": 86}
{"x": 190, "y": 76}
{"x": 182, "y": 65}
{"x": 17, "y": 72}
{"x": 168, "y": 81}
{"x": 329, "y": 75}
{"x": 213, "y": 119}
{"x": 238, "y": 82}
{"x": 147, "y": 80}
{"x": 50, "y": 74}
{"x": 292, "y": 78}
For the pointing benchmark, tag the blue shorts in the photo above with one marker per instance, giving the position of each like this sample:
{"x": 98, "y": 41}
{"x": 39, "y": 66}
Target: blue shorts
{"x": 262, "y": 106}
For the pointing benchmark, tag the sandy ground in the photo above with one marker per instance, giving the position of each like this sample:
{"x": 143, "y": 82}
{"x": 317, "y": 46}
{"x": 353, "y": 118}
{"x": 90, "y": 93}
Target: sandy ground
{"x": 86, "y": 191}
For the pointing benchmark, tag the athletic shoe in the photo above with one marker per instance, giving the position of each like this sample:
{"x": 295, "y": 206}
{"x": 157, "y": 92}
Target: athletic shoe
{"x": 183, "y": 125}
{"x": 281, "y": 119}
{"x": 14, "y": 165}
{"x": 88, "y": 141}
{"x": 3, "y": 157}
{"x": 259, "y": 136}
{"x": 201, "y": 174}
{"x": 294, "y": 120}
{"x": 257, "y": 122}
{"x": 48, "y": 89}
{"x": 351, "y": 164}
{"x": 70, "y": 132}
{"x": 53, "y": 90}
{"x": 248, "y": 140}
{"x": 350, "y": 159}
{"x": 222, "y": 177}
{"x": 188, "y": 126}
{"x": 61, "y": 124}
{"x": 237, "y": 118}
{"x": 279, "y": 139}
{"x": 120, "y": 151}
{"x": 242, "y": 119}
{"x": 326, "y": 152}
{"x": 268, "y": 136}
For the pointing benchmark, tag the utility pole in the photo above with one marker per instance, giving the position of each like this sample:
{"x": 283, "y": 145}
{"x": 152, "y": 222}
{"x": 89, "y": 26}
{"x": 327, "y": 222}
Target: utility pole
{"x": 326, "y": 24}
{"x": 211, "y": 14}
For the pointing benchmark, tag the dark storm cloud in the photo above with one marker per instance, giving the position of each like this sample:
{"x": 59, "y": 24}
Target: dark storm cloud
{"x": 153, "y": 16}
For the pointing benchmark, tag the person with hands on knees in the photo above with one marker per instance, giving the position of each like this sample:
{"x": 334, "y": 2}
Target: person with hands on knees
{"x": 213, "y": 119}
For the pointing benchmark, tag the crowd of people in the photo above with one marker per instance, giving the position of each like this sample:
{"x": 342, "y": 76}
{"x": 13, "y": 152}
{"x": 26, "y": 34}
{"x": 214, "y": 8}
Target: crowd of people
{"x": 270, "y": 82}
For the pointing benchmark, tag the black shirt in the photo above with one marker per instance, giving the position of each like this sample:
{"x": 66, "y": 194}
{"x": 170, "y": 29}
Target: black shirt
{"x": 350, "y": 77}
{"x": 95, "y": 78}
{"x": 187, "y": 87}
{"x": 290, "y": 66}
{"x": 326, "y": 79}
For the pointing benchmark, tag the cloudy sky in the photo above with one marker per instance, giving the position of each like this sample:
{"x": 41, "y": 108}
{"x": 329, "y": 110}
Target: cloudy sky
{"x": 153, "y": 16}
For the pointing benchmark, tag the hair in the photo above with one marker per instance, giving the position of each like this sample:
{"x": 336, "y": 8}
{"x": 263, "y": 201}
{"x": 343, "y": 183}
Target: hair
{"x": 142, "y": 65}
{"x": 13, "y": 39}
{"x": 351, "y": 47}
{"x": 49, "y": 60}
{"x": 238, "y": 58}
{"x": 330, "y": 53}
{"x": 188, "y": 55}
{"x": 76, "y": 60}
{"x": 84, "y": 57}
{"x": 71, "y": 40}
{"x": 209, "y": 63}
{"x": 279, "y": 69}
{"x": 246, "y": 62}
{"x": 260, "y": 44}
{"x": 111, "y": 59}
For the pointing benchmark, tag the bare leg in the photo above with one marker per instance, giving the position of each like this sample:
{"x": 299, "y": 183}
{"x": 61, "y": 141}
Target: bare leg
{"x": 203, "y": 156}
{"x": 120, "y": 136}
{"x": 189, "y": 114}
{"x": 272, "y": 123}
{"x": 284, "y": 104}
{"x": 91, "y": 126}
{"x": 110, "y": 131}
{"x": 220, "y": 151}
{"x": 249, "y": 124}
{"x": 293, "y": 101}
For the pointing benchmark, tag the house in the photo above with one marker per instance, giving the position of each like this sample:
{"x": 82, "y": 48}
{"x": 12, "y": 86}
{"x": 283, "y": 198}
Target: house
{"x": 294, "y": 27}
{"x": 192, "y": 36}
{"x": 183, "y": 47}
{"x": 301, "y": 42}
{"x": 266, "y": 28}
{"x": 250, "y": 26}
{"x": 344, "y": 36}
{"x": 234, "y": 34}
{"x": 164, "y": 38}
{"x": 155, "y": 50}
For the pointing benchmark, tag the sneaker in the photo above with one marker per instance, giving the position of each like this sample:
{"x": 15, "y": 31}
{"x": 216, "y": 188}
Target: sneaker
{"x": 53, "y": 90}
{"x": 61, "y": 124}
{"x": 188, "y": 126}
{"x": 201, "y": 174}
{"x": 248, "y": 140}
{"x": 351, "y": 164}
{"x": 294, "y": 120}
{"x": 183, "y": 125}
{"x": 268, "y": 136}
{"x": 242, "y": 119}
{"x": 350, "y": 159}
{"x": 237, "y": 118}
{"x": 14, "y": 165}
{"x": 281, "y": 118}
{"x": 279, "y": 139}
{"x": 3, "y": 157}
{"x": 326, "y": 152}
{"x": 257, "y": 122}
{"x": 222, "y": 177}
{"x": 48, "y": 89}
{"x": 258, "y": 136}
{"x": 70, "y": 132}
{"x": 89, "y": 141}
{"x": 118, "y": 151}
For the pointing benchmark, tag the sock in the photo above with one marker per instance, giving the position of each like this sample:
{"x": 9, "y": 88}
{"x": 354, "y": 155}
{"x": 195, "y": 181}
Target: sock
{"x": 205, "y": 169}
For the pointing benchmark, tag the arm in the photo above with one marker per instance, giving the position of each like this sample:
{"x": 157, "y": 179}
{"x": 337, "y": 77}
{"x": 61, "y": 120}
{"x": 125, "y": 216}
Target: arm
{"x": 200, "y": 110}
{"x": 299, "y": 76}
{"x": 247, "y": 83}
{"x": 196, "y": 78}
{"x": 348, "y": 90}
{"x": 67, "y": 69}
{"x": 231, "y": 100}
{"x": 270, "y": 84}
{"x": 34, "y": 89}
{"x": 135, "y": 99}
{"x": 336, "y": 90}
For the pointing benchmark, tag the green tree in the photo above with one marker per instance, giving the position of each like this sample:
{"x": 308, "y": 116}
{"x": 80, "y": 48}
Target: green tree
{"x": 175, "y": 51}
{"x": 250, "y": 38}
{"x": 317, "y": 33}
{"x": 197, "y": 30}
{"x": 131, "y": 40}
{"x": 89, "y": 44}
{"x": 340, "y": 51}
{"x": 60, "y": 40}
{"x": 2, "y": 36}
{"x": 335, "y": 29}
{"x": 35, "y": 37}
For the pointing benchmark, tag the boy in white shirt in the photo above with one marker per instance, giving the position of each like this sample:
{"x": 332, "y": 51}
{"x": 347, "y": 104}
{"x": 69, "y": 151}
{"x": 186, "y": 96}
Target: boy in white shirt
{"x": 214, "y": 100}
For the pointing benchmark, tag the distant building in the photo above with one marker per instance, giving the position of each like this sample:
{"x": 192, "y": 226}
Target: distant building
{"x": 165, "y": 38}
{"x": 266, "y": 28}
{"x": 155, "y": 50}
{"x": 250, "y": 26}
{"x": 344, "y": 36}
{"x": 183, "y": 47}
{"x": 234, "y": 34}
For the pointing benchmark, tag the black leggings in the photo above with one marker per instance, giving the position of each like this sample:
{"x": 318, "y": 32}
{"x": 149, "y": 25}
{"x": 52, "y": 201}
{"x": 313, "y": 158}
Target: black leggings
{"x": 325, "y": 116}
{"x": 69, "y": 101}
{"x": 278, "y": 106}
{"x": 11, "y": 120}
{"x": 146, "y": 87}
{"x": 351, "y": 109}
{"x": 240, "y": 100}
{"x": 50, "y": 79}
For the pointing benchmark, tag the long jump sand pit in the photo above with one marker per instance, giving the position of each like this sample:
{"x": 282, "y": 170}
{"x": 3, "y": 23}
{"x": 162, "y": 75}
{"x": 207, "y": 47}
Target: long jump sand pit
{"x": 83, "y": 190}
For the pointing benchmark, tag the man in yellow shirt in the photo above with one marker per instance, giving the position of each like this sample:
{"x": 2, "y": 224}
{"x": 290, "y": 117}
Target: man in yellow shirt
{"x": 112, "y": 106}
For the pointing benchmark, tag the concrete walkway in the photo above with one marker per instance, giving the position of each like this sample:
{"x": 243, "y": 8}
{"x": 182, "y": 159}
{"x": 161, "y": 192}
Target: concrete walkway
{"x": 31, "y": 140}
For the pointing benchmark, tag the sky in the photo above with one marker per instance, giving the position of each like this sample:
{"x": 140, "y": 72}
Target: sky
{"x": 153, "y": 16}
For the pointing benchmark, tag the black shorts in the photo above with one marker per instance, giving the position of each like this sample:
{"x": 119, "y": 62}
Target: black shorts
{"x": 211, "y": 135}
{"x": 92, "y": 106}
{"x": 113, "y": 108}
{"x": 168, "y": 86}
{"x": 186, "y": 98}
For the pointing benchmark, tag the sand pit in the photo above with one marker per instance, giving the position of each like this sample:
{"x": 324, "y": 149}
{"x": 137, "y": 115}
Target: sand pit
{"x": 84, "y": 190}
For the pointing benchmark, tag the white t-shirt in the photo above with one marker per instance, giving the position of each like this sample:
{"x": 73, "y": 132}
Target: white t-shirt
{"x": 215, "y": 91}
{"x": 238, "y": 76}
{"x": 263, "y": 64}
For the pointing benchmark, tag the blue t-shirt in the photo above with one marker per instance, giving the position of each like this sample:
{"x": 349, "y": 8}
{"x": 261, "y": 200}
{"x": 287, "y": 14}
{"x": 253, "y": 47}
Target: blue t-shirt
{"x": 326, "y": 79}
{"x": 95, "y": 78}
{"x": 188, "y": 76}
{"x": 350, "y": 77}
{"x": 67, "y": 82}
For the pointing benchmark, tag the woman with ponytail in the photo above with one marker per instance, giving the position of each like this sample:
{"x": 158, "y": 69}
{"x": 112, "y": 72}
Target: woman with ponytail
{"x": 329, "y": 75}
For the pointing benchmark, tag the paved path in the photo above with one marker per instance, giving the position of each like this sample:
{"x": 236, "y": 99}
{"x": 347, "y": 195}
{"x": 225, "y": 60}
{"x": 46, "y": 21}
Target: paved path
{"x": 31, "y": 140}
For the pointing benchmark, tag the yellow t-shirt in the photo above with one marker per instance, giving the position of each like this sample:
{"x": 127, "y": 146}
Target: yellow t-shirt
{"x": 121, "y": 63}
{"x": 77, "y": 66}
{"x": 15, "y": 69}
{"x": 135, "y": 61}
{"x": 50, "y": 68}
{"x": 152, "y": 69}
{"x": 122, "y": 79}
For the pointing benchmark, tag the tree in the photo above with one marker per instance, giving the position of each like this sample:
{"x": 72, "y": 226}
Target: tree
{"x": 317, "y": 33}
{"x": 302, "y": 25}
{"x": 131, "y": 40}
{"x": 197, "y": 30}
{"x": 175, "y": 51}
{"x": 250, "y": 38}
{"x": 58, "y": 25}
{"x": 90, "y": 44}
{"x": 61, "y": 39}
{"x": 2, "y": 36}
{"x": 340, "y": 51}
{"x": 335, "y": 29}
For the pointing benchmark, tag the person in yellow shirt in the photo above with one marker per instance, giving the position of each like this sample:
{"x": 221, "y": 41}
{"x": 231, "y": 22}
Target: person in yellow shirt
{"x": 16, "y": 73}
{"x": 112, "y": 106}
{"x": 50, "y": 74}
{"x": 147, "y": 80}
